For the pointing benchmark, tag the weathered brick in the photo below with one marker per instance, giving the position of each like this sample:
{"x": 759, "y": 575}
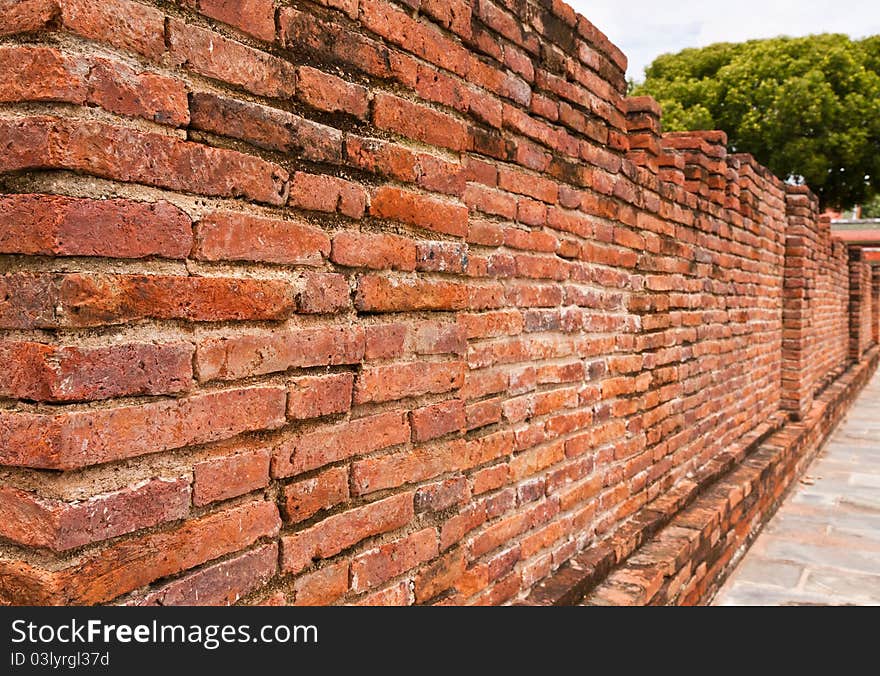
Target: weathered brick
{"x": 419, "y": 122}
{"x": 384, "y": 294}
{"x": 78, "y": 300}
{"x": 120, "y": 89}
{"x": 125, "y": 154}
{"x": 316, "y": 396}
{"x": 115, "y": 228}
{"x": 132, "y": 563}
{"x": 398, "y": 594}
{"x": 419, "y": 210}
{"x": 387, "y": 383}
{"x": 327, "y": 193}
{"x": 322, "y": 587}
{"x": 229, "y": 476}
{"x": 327, "y": 444}
{"x": 336, "y": 533}
{"x": 265, "y": 127}
{"x": 41, "y": 522}
{"x": 126, "y": 25}
{"x": 219, "y": 584}
{"x": 437, "y": 420}
{"x": 376, "y": 566}
{"x": 384, "y": 341}
{"x": 41, "y": 372}
{"x": 303, "y": 499}
{"x": 25, "y": 16}
{"x": 378, "y": 251}
{"x": 74, "y": 439}
{"x": 214, "y": 56}
{"x": 240, "y": 236}
{"x": 440, "y": 575}
{"x": 323, "y": 293}
{"x": 244, "y": 355}
{"x": 256, "y": 17}
{"x": 331, "y": 94}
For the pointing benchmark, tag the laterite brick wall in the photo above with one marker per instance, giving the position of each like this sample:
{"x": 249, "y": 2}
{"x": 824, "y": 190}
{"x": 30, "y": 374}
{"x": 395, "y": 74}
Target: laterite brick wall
{"x": 361, "y": 301}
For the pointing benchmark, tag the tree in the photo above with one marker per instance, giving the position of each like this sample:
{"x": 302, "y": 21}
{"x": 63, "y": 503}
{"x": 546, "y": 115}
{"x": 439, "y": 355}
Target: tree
{"x": 872, "y": 208}
{"x": 807, "y": 108}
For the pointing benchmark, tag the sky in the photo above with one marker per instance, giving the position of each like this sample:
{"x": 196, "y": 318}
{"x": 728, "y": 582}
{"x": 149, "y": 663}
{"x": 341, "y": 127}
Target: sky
{"x": 644, "y": 29}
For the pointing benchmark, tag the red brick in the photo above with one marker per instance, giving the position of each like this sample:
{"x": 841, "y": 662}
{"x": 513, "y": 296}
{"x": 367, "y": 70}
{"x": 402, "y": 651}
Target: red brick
{"x": 303, "y": 499}
{"x": 449, "y": 257}
{"x": 419, "y": 122}
{"x": 25, "y": 16}
{"x": 397, "y": 381}
{"x": 326, "y": 444}
{"x": 47, "y": 373}
{"x": 331, "y": 94}
{"x": 265, "y": 127}
{"x": 350, "y": 7}
{"x": 240, "y": 236}
{"x": 376, "y": 566}
{"x": 219, "y": 584}
{"x": 483, "y": 413}
{"x": 133, "y": 563}
{"x": 327, "y": 193}
{"x": 398, "y": 594}
{"x": 74, "y": 439}
{"x": 490, "y": 478}
{"x": 384, "y": 341}
{"x": 489, "y": 201}
{"x": 440, "y": 495}
{"x": 126, "y": 25}
{"x": 419, "y": 210}
{"x": 244, "y": 355}
{"x": 382, "y": 294}
{"x": 322, "y": 587}
{"x": 335, "y": 42}
{"x": 53, "y": 225}
{"x": 229, "y": 476}
{"x": 323, "y": 293}
{"x": 336, "y": 533}
{"x": 381, "y": 157}
{"x": 438, "y": 175}
{"x": 439, "y": 576}
{"x": 418, "y": 36}
{"x": 256, "y": 17}
{"x": 31, "y": 520}
{"x": 528, "y": 184}
{"x": 316, "y": 396}
{"x": 41, "y": 74}
{"x": 378, "y": 251}
{"x": 77, "y": 300}
{"x": 210, "y": 54}
{"x": 437, "y": 420}
{"x": 392, "y": 471}
{"x": 125, "y": 154}
{"x": 435, "y": 337}
{"x": 123, "y": 90}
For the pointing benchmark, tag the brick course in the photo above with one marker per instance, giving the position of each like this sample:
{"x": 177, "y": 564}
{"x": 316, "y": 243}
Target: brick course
{"x": 382, "y": 302}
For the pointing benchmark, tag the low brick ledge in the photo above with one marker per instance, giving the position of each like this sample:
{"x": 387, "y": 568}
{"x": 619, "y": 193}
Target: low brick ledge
{"x": 679, "y": 548}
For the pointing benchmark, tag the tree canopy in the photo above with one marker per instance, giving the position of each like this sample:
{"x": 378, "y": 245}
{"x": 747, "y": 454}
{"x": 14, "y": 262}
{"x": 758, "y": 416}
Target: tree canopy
{"x": 807, "y": 108}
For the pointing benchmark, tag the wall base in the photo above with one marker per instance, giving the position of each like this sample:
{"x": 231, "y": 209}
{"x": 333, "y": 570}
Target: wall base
{"x": 682, "y": 546}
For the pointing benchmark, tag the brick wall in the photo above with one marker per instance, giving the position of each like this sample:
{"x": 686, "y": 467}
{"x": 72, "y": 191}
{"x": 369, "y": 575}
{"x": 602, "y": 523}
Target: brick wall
{"x": 357, "y": 301}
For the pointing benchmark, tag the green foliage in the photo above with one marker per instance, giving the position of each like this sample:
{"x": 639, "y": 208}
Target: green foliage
{"x": 807, "y": 108}
{"x": 872, "y": 208}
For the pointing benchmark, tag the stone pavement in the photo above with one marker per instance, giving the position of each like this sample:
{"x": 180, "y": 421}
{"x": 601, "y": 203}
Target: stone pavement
{"x": 823, "y": 545}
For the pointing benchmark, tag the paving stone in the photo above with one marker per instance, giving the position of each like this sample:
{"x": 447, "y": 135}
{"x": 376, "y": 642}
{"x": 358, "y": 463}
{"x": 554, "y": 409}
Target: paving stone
{"x": 823, "y": 545}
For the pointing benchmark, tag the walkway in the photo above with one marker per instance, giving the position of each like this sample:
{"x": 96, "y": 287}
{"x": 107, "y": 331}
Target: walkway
{"x": 823, "y": 545}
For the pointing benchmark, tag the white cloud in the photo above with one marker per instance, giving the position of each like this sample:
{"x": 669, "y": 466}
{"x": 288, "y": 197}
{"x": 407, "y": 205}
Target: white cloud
{"x": 644, "y": 29}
